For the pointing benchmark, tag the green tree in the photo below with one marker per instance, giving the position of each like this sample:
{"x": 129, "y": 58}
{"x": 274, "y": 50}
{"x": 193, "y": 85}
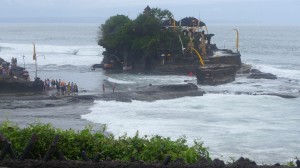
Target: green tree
{"x": 137, "y": 42}
{"x": 113, "y": 36}
{"x": 146, "y": 40}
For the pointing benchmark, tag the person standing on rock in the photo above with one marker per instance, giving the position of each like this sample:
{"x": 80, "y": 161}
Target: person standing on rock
{"x": 103, "y": 88}
{"x": 76, "y": 89}
{"x": 72, "y": 88}
{"x": 69, "y": 88}
{"x": 113, "y": 87}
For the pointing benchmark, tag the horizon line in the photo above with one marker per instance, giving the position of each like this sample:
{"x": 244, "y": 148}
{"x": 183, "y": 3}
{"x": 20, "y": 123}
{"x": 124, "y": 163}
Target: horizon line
{"x": 102, "y": 19}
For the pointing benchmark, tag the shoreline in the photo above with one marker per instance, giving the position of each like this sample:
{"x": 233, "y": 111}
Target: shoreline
{"x": 24, "y": 109}
{"x": 147, "y": 93}
{"x": 65, "y": 111}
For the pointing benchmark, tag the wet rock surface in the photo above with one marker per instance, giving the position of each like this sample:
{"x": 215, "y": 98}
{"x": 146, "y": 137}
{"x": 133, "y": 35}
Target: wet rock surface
{"x": 21, "y": 86}
{"x": 262, "y": 76}
{"x": 146, "y": 93}
{"x": 256, "y": 74}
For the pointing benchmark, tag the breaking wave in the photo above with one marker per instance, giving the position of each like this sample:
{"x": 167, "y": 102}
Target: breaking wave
{"x": 119, "y": 81}
{"x": 51, "y": 54}
{"x": 279, "y": 72}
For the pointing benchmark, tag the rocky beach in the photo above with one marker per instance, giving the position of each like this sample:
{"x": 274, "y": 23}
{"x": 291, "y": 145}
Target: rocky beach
{"x": 20, "y": 106}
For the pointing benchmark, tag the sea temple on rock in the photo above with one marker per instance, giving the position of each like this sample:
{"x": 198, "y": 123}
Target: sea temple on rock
{"x": 156, "y": 43}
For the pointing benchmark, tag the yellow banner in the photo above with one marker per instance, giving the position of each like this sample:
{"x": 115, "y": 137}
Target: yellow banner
{"x": 237, "y": 40}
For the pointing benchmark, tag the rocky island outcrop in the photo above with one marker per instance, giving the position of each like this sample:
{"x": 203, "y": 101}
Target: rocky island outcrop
{"x": 156, "y": 43}
{"x": 15, "y": 79}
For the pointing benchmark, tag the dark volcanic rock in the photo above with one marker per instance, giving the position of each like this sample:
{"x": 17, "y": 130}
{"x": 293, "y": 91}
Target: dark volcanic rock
{"x": 170, "y": 88}
{"x": 146, "y": 93}
{"x": 257, "y": 74}
{"x": 15, "y": 79}
{"x": 262, "y": 76}
{"x": 242, "y": 162}
{"x": 97, "y": 66}
{"x": 298, "y": 163}
{"x": 154, "y": 92}
{"x": 19, "y": 86}
{"x": 287, "y": 96}
{"x": 255, "y": 71}
{"x": 179, "y": 88}
{"x": 218, "y": 163}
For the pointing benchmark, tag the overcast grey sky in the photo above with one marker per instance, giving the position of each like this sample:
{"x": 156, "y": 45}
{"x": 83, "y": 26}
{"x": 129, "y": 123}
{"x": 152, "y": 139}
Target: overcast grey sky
{"x": 216, "y": 11}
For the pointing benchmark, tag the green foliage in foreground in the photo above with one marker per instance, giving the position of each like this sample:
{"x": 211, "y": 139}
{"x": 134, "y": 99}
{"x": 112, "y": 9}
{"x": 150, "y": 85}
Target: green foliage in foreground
{"x": 71, "y": 143}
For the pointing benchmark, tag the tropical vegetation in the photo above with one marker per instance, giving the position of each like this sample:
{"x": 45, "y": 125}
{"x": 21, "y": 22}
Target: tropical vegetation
{"x": 72, "y": 143}
{"x": 139, "y": 42}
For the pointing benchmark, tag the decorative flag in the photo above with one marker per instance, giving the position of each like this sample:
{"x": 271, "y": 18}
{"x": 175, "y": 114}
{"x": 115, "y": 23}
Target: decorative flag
{"x": 174, "y": 24}
{"x": 34, "y": 53}
{"x": 237, "y": 40}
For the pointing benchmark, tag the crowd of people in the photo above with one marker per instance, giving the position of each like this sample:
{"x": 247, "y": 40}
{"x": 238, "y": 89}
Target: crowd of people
{"x": 5, "y": 70}
{"x": 14, "y": 61}
{"x": 12, "y": 70}
{"x": 61, "y": 87}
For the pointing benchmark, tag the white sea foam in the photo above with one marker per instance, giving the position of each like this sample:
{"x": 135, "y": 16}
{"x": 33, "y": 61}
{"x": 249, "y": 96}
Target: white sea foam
{"x": 221, "y": 53}
{"x": 284, "y": 73}
{"x": 221, "y": 121}
{"x": 51, "y": 54}
{"x": 166, "y": 79}
{"x": 119, "y": 81}
{"x": 147, "y": 79}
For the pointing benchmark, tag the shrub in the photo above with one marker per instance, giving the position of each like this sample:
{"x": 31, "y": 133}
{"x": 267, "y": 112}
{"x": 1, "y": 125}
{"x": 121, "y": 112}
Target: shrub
{"x": 71, "y": 143}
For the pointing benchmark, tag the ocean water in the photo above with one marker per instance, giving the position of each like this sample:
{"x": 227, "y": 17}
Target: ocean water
{"x": 233, "y": 120}
{"x": 64, "y": 51}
